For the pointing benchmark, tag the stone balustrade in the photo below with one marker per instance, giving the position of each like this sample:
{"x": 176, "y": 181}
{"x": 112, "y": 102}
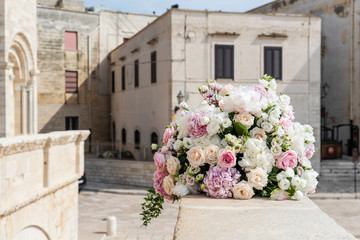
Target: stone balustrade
{"x": 201, "y": 217}
{"x": 38, "y": 185}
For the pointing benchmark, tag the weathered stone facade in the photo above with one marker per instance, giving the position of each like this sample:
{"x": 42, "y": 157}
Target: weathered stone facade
{"x": 18, "y": 68}
{"x": 340, "y": 58}
{"x": 184, "y": 42}
{"x": 97, "y": 35}
{"x": 39, "y": 185}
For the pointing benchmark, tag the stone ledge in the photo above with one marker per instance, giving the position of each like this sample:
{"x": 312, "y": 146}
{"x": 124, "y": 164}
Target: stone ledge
{"x": 19, "y": 144}
{"x": 201, "y": 217}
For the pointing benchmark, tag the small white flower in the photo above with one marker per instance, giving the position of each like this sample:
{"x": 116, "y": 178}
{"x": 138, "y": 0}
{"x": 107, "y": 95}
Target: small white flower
{"x": 295, "y": 181}
{"x": 213, "y": 128}
{"x": 298, "y": 195}
{"x": 276, "y": 150}
{"x": 276, "y": 141}
{"x": 204, "y": 89}
{"x": 284, "y": 184}
{"x": 177, "y": 145}
{"x": 226, "y": 122}
{"x": 180, "y": 190}
{"x": 224, "y": 143}
{"x": 188, "y": 143}
{"x": 289, "y": 172}
{"x": 281, "y": 176}
{"x": 267, "y": 127}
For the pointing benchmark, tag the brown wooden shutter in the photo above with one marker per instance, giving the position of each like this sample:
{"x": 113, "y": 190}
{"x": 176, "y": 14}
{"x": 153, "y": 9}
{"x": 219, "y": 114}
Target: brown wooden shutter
{"x": 136, "y": 73}
{"x": 123, "y": 78}
{"x": 153, "y": 67}
{"x": 224, "y": 61}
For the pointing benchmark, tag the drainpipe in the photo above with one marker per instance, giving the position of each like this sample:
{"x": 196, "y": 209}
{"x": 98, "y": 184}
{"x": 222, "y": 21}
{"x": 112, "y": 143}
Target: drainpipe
{"x": 352, "y": 84}
{"x": 89, "y": 72}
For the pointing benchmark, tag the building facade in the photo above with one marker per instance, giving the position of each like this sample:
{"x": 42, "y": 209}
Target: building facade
{"x": 18, "y": 68}
{"x": 340, "y": 59}
{"x": 177, "y": 53}
{"x": 73, "y": 47}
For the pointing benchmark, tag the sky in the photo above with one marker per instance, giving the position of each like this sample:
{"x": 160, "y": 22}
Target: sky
{"x": 160, "y": 6}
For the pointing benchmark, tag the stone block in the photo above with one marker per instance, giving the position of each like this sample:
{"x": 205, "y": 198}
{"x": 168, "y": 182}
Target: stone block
{"x": 201, "y": 217}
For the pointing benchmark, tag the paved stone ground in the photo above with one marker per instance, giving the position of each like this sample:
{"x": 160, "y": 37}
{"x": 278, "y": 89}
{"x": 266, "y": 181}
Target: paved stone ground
{"x": 98, "y": 201}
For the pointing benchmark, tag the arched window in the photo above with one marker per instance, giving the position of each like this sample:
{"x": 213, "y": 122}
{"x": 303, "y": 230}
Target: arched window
{"x": 154, "y": 138}
{"x": 137, "y": 139}
{"x": 123, "y": 136}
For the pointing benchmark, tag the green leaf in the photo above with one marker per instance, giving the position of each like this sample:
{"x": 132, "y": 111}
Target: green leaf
{"x": 241, "y": 130}
{"x": 151, "y": 207}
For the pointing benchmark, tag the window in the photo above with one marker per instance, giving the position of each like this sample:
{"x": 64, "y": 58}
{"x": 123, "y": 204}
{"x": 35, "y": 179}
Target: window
{"x": 273, "y": 62}
{"x": 136, "y": 73}
{"x": 72, "y": 123}
{"x": 137, "y": 139}
{"x": 123, "y": 136}
{"x": 71, "y": 79}
{"x": 123, "y": 78}
{"x": 71, "y": 41}
{"x": 113, "y": 81}
{"x": 153, "y": 67}
{"x": 154, "y": 138}
{"x": 224, "y": 61}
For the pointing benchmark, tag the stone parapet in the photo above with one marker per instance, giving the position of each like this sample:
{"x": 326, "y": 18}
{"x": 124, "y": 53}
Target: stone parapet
{"x": 38, "y": 185}
{"x": 201, "y": 217}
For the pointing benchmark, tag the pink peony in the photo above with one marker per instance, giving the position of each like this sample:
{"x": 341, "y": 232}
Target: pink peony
{"x": 196, "y": 129}
{"x": 310, "y": 152}
{"x": 160, "y": 161}
{"x": 286, "y": 123}
{"x": 219, "y": 181}
{"x": 279, "y": 195}
{"x": 168, "y": 133}
{"x": 287, "y": 160}
{"x": 158, "y": 183}
{"x": 291, "y": 113}
{"x": 226, "y": 158}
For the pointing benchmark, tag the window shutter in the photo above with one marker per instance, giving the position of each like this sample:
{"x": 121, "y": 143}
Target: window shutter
{"x": 224, "y": 61}
{"x": 123, "y": 78}
{"x": 71, "y": 82}
{"x": 273, "y": 62}
{"x": 153, "y": 67}
{"x": 113, "y": 81}
{"x": 136, "y": 74}
{"x": 70, "y": 40}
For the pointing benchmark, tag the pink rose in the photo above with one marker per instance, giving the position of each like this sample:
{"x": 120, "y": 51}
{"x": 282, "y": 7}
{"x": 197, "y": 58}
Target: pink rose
{"x": 287, "y": 160}
{"x": 310, "y": 152}
{"x": 160, "y": 161}
{"x": 279, "y": 195}
{"x": 168, "y": 133}
{"x": 226, "y": 158}
{"x": 158, "y": 183}
{"x": 286, "y": 123}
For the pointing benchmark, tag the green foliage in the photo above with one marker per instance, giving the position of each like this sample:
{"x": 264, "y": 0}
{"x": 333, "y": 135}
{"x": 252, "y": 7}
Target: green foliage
{"x": 241, "y": 130}
{"x": 152, "y": 206}
{"x": 267, "y": 77}
{"x": 272, "y": 183}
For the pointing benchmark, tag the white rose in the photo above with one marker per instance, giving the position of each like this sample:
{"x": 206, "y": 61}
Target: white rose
{"x": 258, "y": 178}
{"x": 276, "y": 150}
{"x": 196, "y": 156}
{"x": 217, "y": 118}
{"x": 245, "y": 119}
{"x": 172, "y": 165}
{"x": 205, "y": 120}
{"x": 211, "y": 154}
{"x": 289, "y": 172}
{"x": 226, "y": 122}
{"x": 298, "y": 195}
{"x": 280, "y": 176}
{"x": 188, "y": 143}
{"x": 226, "y": 104}
{"x": 258, "y": 133}
{"x": 168, "y": 184}
{"x": 227, "y": 89}
{"x": 284, "y": 184}
{"x": 213, "y": 128}
{"x": 177, "y": 145}
{"x": 267, "y": 127}
{"x": 180, "y": 190}
{"x": 242, "y": 190}
{"x": 295, "y": 181}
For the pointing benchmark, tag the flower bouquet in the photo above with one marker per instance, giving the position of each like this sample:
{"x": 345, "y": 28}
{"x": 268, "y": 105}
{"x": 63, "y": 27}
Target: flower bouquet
{"x": 238, "y": 143}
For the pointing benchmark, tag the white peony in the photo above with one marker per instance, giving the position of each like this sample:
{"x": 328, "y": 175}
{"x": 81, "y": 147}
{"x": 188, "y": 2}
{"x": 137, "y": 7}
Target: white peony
{"x": 205, "y": 120}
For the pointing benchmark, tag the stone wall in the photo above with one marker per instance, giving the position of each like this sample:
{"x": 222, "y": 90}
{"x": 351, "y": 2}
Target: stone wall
{"x": 39, "y": 185}
{"x": 133, "y": 173}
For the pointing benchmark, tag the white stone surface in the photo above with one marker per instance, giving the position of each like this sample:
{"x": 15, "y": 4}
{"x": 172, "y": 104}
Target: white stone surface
{"x": 201, "y": 217}
{"x": 39, "y": 185}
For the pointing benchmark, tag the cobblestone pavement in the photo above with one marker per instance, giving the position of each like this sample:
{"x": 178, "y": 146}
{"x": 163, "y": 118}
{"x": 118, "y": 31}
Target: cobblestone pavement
{"x": 98, "y": 201}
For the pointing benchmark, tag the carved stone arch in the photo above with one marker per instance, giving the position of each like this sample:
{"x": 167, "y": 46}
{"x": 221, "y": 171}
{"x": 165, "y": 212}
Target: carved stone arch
{"x": 32, "y": 232}
{"x": 21, "y": 70}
